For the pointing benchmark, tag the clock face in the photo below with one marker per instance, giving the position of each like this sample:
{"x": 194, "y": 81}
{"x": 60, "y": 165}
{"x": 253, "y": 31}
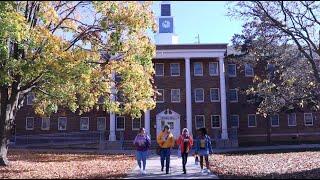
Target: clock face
{"x": 166, "y": 24}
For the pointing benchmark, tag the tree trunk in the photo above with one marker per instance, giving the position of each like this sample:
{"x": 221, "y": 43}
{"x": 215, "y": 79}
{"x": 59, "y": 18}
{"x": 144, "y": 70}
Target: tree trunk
{"x": 4, "y": 134}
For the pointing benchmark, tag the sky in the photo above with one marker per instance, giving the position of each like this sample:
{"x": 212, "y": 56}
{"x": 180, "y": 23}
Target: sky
{"x": 208, "y": 19}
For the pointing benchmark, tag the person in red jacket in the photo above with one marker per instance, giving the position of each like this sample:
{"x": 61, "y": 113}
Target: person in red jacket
{"x": 185, "y": 142}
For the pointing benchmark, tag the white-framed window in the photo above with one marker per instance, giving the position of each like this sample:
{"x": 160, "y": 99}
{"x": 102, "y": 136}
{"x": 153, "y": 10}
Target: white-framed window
{"x": 232, "y": 70}
{"x": 215, "y": 121}
{"x": 214, "y": 95}
{"x": 233, "y": 95}
{"x": 308, "y": 119}
{"x": 175, "y": 95}
{"x": 120, "y": 124}
{"x": 252, "y": 121}
{"x": 45, "y": 123}
{"x": 200, "y": 121}
{"x": 62, "y": 123}
{"x": 84, "y": 123}
{"x": 248, "y": 70}
{"x": 160, "y": 98}
{"x": 29, "y": 123}
{"x": 199, "y": 95}
{"x": 120, "y": 96}
{"x": 136, "y": 123}
{"x": 292, "y": 119}
{"x": 101, "y": 123}
{"x": 175, "y": 69}
{"x": 197, "y": 69}
{"x": 159, "y": 68}
{"x": 101, "y": 100}
{"x": 213, "y": 68}
{"x": 234, "y": 118}
{"x": 275, "y": 120}
{"x": 30, "y": 98}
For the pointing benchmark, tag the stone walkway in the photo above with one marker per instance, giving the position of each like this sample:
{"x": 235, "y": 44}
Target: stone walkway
{"x": 153, "y": 169}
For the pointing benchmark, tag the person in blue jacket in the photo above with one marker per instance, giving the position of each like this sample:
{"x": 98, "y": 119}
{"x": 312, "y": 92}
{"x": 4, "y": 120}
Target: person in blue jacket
{"x": 203, "y": 148}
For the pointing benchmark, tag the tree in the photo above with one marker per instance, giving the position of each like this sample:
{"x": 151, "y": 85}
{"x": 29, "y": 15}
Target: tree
{"x": 287, "y": 35}
{"x": 67, "y": 54}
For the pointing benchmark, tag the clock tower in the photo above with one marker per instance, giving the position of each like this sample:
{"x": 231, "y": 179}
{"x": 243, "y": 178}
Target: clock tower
{"x": 165, "y": 34}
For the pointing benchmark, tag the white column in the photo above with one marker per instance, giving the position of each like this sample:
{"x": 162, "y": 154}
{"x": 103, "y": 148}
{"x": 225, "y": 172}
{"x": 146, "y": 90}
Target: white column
{"x": 224, "y": 133}
{"x": 112, "y": 135}
{"x": 188, "y": 95}
{"x": 147, "y": 122}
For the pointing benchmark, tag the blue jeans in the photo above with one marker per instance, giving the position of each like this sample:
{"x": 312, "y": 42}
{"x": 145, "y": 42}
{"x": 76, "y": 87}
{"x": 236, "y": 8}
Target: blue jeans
{"x": 165, "y": 155}
{"x": 142, "y": 155}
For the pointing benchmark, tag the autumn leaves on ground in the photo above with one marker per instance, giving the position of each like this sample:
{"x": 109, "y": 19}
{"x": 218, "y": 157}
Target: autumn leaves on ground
{"x": 27, "y": 165}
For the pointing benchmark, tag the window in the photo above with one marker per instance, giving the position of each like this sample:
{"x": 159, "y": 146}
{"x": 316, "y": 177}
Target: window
{"x": 292, "y": 121}
{"x": 30, "y": 98}
{"x": 45, "y": 124}
{"x": 101, "y": 100}
{"x": 175, "y": 95}
{"x": 232, "y": 70}
{"x": 29, "y": 123}
{"x": 120, "y": 123}
{"x": 214, "y": 95}
{"x": 234, "y": 120}
{"x": 101, "y": 123}
{"x": 136, "y": 123}
{"x": 200, "y": 121}
{"x": 213, "y": 69}
{"x": 233, "y": 95}
{"x": 215, "y": 121}
{"x": 252, "y": 122}
{"x": 274, "y": 120}
{"x": 175, "y": 69}
{"x": 160, "y": 98}
{"x": 308, "y": 119}
{"x": 84, "y": 123}
{"x": 198, "y": 94}
{"x": 62, "y": 123}
{"x": 198, "y": 70}
{"x": 249, "y": 70}
{"x": 159, "y": 67}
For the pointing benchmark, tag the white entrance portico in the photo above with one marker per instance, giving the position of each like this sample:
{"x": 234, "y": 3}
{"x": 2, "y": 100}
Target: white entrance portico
{"x": 171, "y": 118}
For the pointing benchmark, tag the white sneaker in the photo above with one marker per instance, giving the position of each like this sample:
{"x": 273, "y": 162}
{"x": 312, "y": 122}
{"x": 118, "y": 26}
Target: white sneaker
{"x": 206, "y": 170}
{"x": 144, "y": 172}
{"x": 141, "y": 171}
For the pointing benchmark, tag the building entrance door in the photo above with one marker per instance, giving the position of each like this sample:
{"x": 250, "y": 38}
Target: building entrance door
{"x": 172, "y": 119}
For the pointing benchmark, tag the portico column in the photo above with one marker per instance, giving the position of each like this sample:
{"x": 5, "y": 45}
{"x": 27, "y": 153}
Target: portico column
{"x": 224, "y": 133}
{"x": 188, "y": 95}
{"x": 112, "y": 135}
{"x": 147, "y": 122}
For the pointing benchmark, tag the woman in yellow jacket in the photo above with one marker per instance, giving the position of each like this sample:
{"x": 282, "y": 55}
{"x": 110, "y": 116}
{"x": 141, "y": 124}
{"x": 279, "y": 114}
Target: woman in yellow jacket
{"x": 165, "y": 140}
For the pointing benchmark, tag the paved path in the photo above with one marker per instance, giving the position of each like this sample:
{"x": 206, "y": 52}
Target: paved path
{"x": 153, "y": 169}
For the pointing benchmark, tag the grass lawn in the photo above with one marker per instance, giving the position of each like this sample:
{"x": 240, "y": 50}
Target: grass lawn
{"x": 48, "y": 165}
{"x": 267, "y": 165}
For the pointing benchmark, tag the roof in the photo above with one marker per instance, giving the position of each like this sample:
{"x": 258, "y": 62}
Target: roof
{"x": 191, "y": 46}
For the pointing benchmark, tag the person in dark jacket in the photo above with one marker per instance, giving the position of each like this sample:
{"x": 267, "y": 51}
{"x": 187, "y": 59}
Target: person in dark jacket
{"x": 203, "y": 148}
{"x": 142, "y": 143}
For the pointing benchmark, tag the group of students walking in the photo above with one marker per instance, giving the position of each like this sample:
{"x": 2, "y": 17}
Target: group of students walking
{"x": 166, "y": 142}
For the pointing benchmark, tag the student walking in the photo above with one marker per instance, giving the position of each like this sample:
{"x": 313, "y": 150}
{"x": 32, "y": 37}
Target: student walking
{"x": 203, "y": 148}
{"x": 185, "y": 142}
{"x": 165, "y": 140}
{"x": 142, "y": 143}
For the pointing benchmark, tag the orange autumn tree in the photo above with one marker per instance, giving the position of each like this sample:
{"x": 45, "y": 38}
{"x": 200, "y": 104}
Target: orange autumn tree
{"x": 67, "y": 54}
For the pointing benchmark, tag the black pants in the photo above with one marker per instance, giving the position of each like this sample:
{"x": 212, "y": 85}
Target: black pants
{"x": 165, "y": 155}
{"x": 201, "y": 161}
{"x": 184, "y": 160}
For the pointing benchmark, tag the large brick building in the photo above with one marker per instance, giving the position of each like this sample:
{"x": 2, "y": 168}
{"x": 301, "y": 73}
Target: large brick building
{"x": 199, "y": 89}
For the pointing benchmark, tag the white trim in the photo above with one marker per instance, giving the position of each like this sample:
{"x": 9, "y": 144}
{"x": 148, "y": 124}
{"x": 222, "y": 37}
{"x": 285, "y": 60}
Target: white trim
{"x": 195, "y": 95}
{"x": 48, "y": 128}
{"x": 278, "y": 120}
{"x": 204, "y": 121}
{"x": 219, "y": 122}
{"x": 194, "y": 69}
{"x": 134, "y": 129}
{"x": 27, "y": 123}
{"x": 233, "y": 101}
{"x": 295, "y": 117}
{"x": 235, "y": 65}
{"x": 245, "y": 72}
{"x": 217, "y": 63}
{"x": 155, "y": 66}
{"x": 162, "y": 96}
{"x": 105, "y": 124}
{"x": 59, "y": 118}
{"x": 179, "y": 96}
{"x": 191, "y": 53}
{"x": 238, "y": 120}
{"x": 29, "y": 94}
{"x": 88, "y": 119}
{"x": 255, "y": 118}
{"x": 171, "y": 69}
{"x": 218, "y": 95}
{"x": 304, "y": 117}
{"x": 124, "y": 123}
